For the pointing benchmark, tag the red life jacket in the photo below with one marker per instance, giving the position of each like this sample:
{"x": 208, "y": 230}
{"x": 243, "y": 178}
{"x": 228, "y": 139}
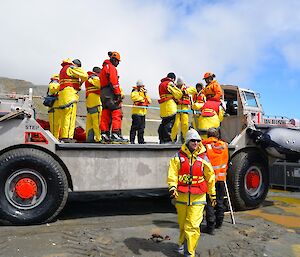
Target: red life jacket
{"x": 66, "y": 81}
{"x": 90, "y": 88}
{"x": 210, "y": 108}
{"x": 164, "y": 94}
{"x": 190, "y": 178}
{"x": 199, "y": 98}
{"x": 185, "y": 99}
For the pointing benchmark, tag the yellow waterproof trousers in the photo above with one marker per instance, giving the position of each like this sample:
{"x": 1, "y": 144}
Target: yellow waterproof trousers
{"x": 68, "y": 120}
{"x": 183, "y": 119}
{"x": 93, "y": 133}
{"x": 190, "y": 215}
{"x": 54, "y": 120}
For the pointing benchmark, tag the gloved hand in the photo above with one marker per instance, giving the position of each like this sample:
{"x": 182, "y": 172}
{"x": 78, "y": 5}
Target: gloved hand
{"x": 118, "y": 99}
{"x": 173, "y": 193}
{"x": 213, "y": 200}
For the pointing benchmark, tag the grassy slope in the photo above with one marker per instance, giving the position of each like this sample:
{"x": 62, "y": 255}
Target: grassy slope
{"x": 7, "y": 86}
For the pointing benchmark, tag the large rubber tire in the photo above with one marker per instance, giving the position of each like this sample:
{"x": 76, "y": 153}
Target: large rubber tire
{"x": 39, "y": 175}
{"x": 244, "y": 194}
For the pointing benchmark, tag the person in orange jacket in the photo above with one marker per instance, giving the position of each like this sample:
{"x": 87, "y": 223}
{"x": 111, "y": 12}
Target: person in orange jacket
{"x": 140, "y": 99}
{"x": 212, "y": 90}
{"x": 93, "y": 106}
{"x": 71, "y": 77}
{"x": 111, "y": 98}
{"x": 217, "y": 153}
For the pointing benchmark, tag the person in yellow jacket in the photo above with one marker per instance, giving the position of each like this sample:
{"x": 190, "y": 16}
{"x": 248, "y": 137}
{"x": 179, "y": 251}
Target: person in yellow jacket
{"x": 93, "y": 106}
{"x": 141, "y": 100}
{"x": 71, "y": 77}
{"x": 168, "y": 92}
{"x": 212, "y": 114}
{"x": 183, "y": 107}
{"x": 190, "y": 177}
{"x": 217, "y": 153}
{"x": 197, "y": 104}
{"x": 53, "y": 112}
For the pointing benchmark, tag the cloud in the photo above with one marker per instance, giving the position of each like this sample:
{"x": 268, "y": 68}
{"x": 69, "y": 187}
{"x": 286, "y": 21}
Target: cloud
{"x": 234, "y": 39}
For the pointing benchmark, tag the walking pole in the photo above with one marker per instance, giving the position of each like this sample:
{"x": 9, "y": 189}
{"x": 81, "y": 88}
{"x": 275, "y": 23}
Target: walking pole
{"x": 229, "y": 202}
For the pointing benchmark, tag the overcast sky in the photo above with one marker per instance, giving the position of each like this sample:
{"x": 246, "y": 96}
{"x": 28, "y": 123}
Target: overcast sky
{"x": 254, "y": 44}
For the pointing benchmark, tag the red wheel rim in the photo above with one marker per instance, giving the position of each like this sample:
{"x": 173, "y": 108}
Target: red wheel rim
{"x": 253, "y": 179}
{"x": 26, "y": 188}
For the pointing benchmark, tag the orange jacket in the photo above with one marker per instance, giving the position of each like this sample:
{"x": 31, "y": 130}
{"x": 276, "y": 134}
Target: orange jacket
{"x": 190, "y": 178}
{"x": 213, "y": 91}
{"x": 217, "y": 153}
{"x": 109, "y": 77}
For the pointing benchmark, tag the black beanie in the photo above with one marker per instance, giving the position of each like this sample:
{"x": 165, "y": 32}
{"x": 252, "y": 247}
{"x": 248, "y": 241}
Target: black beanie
{"x": 171, "y": 75}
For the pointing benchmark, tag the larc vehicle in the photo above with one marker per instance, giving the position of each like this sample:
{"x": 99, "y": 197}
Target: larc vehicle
{"x": 37, "y": 171}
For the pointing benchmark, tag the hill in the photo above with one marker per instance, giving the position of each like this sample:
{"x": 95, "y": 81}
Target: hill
{"x": 8, "y": 86}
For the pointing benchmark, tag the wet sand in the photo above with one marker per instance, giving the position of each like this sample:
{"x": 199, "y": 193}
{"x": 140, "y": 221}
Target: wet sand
{"x": 89, "y": 226}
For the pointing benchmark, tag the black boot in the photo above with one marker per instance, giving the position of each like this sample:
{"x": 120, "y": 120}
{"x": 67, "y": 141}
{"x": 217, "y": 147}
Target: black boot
{"x": 209, "y": 230}
{"x": 117, "y": 138}
{"x": 132, "y": 136}
{"x": 105, "y": 138}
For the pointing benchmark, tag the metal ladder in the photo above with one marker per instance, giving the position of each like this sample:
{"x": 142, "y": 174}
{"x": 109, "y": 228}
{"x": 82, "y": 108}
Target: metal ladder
{"x": 229, "y": 203}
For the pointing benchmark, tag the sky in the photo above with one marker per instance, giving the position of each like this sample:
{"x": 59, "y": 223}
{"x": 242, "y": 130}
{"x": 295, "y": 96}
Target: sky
{"x": 253, "y": 44}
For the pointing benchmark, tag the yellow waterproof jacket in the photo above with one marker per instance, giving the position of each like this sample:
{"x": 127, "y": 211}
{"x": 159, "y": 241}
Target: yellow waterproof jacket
{"x": 208, "y": 173}
{"x": 69, "y": 95}
{"x": 93, "y": 99}
{"x": 198, "y": 100}
{"x": 53, "y": 88}
{"x": 211, "y": 122}
{"x": 139, "y": 98}
{"x": 169, "y": 107}
{"x": 188, "y": 91}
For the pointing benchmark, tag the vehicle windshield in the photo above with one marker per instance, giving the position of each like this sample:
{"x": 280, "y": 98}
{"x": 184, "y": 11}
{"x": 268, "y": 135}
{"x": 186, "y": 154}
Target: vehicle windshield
{"x": 250, "y": 99}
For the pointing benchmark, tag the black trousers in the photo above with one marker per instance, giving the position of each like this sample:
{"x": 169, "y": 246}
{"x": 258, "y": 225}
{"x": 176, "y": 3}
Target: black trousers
{"x": 137, "y": 125}
{"x": 164, "y": 130}
{"x": 215, "y": 215}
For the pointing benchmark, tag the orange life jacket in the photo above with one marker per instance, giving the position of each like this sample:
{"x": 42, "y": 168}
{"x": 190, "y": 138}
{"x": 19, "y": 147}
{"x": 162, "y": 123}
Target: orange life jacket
{"x": 217, "y": 153}
{"x": 190, "y": 178}
{"x": 66, "y": 81}
{"x": 210, "y": 108}
{"x": 90, "y": 88}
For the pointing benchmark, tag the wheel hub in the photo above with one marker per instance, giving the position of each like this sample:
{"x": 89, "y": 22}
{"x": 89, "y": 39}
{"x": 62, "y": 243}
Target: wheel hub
{"x": 26, "y": 188}
{"x": 253, "y": 179}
